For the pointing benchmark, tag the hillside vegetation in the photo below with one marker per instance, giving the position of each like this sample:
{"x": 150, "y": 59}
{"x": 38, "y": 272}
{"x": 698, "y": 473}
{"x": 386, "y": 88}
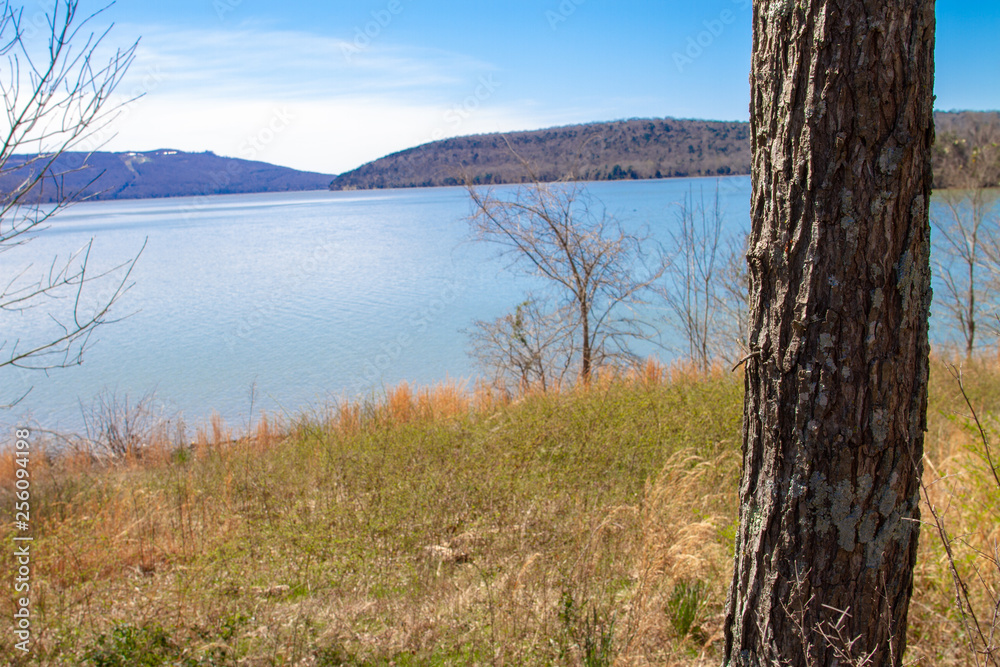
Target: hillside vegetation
{"x": 654, "y": 148}
{"x": 592, "y": 526}
{"x": 161, "y": 173}
{"x": 967, "y": 150}
{"x": 641, "y": 148}
{"x": 651, "y": 148}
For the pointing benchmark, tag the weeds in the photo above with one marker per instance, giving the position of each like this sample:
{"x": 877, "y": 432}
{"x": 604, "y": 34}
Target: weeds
{"x": 591, "y": 637}
{"x": 972, "y": 553}
{"x": 443, "y": 527}
{"x": 130, "y": 646}
{"x": 684, "y": 606}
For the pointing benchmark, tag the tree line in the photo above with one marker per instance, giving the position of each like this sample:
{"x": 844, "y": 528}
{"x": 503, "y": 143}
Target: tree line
{"x": 612, "y": 288}
{"x": 834, "y": 279}
{"x": 966, "y": 223}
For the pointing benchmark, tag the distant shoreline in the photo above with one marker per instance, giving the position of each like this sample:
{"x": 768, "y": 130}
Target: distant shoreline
{"x": 636, "y": 149}
{"x": 159, "y": 174}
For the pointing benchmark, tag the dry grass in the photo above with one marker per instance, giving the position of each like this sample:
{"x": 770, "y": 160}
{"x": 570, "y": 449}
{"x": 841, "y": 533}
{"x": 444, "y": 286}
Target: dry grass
{"x": 688, "y": 525}
{"x": 444, "y": 526}
{"x": 961, "y": 505}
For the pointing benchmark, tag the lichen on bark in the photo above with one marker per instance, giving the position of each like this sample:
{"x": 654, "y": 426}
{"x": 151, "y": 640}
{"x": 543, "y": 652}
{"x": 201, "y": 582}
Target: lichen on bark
{"x": 841, "y": 130}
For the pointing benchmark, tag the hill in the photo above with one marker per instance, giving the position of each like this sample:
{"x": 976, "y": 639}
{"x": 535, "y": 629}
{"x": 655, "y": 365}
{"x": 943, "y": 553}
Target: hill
{"x": 160, "y": 173}
{"x": 650, "y": 148}
{"x": 632, "y": 149}
{"x": 967, "y": 149}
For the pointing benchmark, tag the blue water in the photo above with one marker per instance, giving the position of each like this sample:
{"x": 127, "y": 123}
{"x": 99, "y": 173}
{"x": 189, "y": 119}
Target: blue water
{"x": 308, "y": 297}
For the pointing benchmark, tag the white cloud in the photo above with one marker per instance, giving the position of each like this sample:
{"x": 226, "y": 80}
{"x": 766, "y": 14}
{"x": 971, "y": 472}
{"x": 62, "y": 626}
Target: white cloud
{"x": 246, "y": 62}
{"x": 340, "y": 106}
{"x": 328, "y": 136}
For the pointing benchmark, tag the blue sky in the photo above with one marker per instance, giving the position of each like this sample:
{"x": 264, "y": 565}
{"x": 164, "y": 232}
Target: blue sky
{"x": 328, "y": 85}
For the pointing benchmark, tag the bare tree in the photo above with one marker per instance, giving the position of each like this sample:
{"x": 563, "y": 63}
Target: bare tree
{"x": 705, "y": 281}
{"x": 966, "y": 250}
{"x": 840, "y": 288}
{"x": 530, "y": 347}
{"x": 599, "y": 272}
{"x": 55, "y": 95}
{"x": 734, "y": 287}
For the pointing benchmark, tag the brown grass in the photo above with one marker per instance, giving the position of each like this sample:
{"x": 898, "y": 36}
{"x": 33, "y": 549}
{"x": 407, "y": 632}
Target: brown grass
{"x": 447, "y": 526}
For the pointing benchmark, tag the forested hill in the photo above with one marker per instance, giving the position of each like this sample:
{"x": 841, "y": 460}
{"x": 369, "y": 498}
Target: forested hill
{"x": 654, "y": 148}
{"x": 967, "y": 149}
{"x": 160, "y": 173}
{"x": 651, "y": 148}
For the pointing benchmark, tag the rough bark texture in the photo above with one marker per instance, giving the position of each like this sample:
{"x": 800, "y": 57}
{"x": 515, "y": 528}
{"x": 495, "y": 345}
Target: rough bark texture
{"x": 840, "y": 288}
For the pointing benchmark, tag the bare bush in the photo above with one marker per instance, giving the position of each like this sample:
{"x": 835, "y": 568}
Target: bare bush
{"x": 706, "y": 285}
{"x": 597, "y": 273}
{"x": 118, "y": 428}
{"x": 55, "y": 96}
{"x": 530, "y": 347}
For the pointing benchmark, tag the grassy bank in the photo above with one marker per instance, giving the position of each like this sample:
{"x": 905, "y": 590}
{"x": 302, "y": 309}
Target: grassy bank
{"x": 592, "y": 527}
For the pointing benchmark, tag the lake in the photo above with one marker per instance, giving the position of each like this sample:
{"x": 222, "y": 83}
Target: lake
{"x": 309, "y": 297}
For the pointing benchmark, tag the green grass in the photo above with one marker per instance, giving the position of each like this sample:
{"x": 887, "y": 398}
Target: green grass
{"x": 578, "y": 528}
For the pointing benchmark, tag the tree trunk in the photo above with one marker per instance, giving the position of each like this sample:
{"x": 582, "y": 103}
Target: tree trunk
{"x": 840, "y": 289}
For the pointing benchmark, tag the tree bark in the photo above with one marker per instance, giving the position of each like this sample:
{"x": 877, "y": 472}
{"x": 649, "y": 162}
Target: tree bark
{"x": 840, "y": 290}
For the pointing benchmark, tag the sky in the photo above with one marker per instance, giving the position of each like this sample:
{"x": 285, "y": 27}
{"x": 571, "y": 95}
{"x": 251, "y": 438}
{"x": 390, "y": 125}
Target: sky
{"x": 327, "y": 85}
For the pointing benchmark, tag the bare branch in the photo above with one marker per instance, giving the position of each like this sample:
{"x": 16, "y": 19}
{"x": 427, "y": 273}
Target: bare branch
{"x": 707, "y": 285}
{"x": 599, "y": 273}
{"x": 54, "y": 96}
{"x": 967, "y": 258}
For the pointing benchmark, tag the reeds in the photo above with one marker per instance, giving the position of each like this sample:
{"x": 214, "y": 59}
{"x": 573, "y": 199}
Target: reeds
{"x": 446, "y": 525}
